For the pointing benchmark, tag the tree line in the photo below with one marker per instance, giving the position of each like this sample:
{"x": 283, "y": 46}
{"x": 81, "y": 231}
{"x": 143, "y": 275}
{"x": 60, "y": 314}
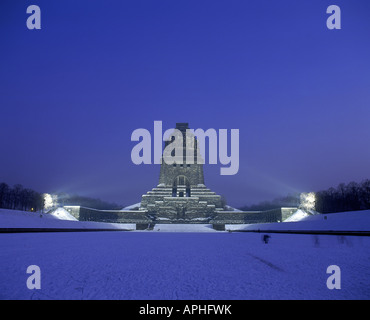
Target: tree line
{"x": 20, "y": 198}
{"x": 352, "y": 196}
{"x": 291, "y": 200}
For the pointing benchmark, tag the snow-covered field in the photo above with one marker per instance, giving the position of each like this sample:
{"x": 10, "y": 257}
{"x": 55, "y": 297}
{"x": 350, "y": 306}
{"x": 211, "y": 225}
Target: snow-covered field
{"x": 59, "y": 219}
{"x": 183, "y": 265}
{"x": 342, "y": 221}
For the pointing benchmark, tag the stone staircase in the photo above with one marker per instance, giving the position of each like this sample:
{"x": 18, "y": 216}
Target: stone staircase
{"x": 199, "y": 207}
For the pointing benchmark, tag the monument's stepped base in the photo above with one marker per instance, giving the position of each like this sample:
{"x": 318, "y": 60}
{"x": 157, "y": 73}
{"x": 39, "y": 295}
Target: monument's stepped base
{"x": 199, "y": 203}
{"x": 145, "y": 219}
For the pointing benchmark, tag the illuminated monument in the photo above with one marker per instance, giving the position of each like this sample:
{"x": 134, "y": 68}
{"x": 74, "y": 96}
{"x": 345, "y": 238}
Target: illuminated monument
{"x": 181, "y": 197}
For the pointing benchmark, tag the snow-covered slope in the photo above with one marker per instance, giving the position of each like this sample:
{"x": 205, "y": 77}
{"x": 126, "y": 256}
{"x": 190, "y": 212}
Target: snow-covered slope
{"x": 23, "y": 219}
{"x": 297, "y": 216}
{"x": 342, "y": 221}
{"x": 63, "y": 214}
{"x": 132, "y": 207}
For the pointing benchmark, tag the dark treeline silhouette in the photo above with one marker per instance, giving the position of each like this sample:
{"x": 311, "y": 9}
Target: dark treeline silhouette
{"x": 20, "y": 198}
{"x": 346, "y": 197}
{"x": 352, "y": 196}
{"x": 287, "y": 201}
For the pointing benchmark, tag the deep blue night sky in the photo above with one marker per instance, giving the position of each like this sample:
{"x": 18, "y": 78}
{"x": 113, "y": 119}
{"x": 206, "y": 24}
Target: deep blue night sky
{"x": 72, "y": 93}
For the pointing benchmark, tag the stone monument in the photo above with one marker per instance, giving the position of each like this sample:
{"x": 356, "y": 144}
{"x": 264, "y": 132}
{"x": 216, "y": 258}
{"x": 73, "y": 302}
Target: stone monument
{"x": 181, "y": 196}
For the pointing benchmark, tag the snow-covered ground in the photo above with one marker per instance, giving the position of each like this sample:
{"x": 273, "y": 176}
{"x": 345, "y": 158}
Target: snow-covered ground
{"x": 185, "y": 265}
{"x": 297, "y": 216}
{"x": 134, "y": 265}
{"x": 59, "y": 219}
{"x": 184, "y": 228}
{"x": 342, "y": 221}
{"x": 62, "y": 214}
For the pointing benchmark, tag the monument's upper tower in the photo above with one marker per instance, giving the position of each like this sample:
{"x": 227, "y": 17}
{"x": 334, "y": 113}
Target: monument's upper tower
{"x": 185, "y": 172}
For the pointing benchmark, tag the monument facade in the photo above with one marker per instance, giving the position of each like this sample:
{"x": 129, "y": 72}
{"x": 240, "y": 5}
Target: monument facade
{"x": 181, "y": 196}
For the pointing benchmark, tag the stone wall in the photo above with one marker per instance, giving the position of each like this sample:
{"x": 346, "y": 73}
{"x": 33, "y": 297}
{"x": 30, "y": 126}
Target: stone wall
{"x": 180, "y": 210}
{"x": 245, "y": 217}
{"x": 111, "y": 216}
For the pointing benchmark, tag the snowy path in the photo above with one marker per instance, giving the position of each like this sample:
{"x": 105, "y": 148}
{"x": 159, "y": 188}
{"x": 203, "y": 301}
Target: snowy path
{"x": 139, "y": 265}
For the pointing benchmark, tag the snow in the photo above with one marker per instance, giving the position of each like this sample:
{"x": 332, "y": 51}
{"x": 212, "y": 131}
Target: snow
{"x": 22, "y": 219}
{"x": 184, "y": 228}
{"x": 147, "y": 265}
{"x": 63, "y": 214}
{"x": 229, "y": 208}
{"x": 132, "y": 207}
{"x": 342, "y": 221}
{"x": 297, "y": 216}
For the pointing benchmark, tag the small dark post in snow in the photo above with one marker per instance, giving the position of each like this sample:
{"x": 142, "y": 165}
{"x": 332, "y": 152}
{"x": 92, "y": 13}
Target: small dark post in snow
{"x": 265, "y": 238}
